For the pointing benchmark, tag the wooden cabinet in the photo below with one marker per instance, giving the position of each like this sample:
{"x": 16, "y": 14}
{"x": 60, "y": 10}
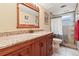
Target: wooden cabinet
{"x": 36, "y": 48}
{"x": 44, "y": 45}
{"x": 40, "y": 46}
{"x": 49, "y": 45}
{"x": 13, "y": 54}
{"x": 26, "y": 51}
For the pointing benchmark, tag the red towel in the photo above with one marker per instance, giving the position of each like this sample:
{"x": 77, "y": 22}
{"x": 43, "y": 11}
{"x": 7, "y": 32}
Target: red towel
{"x": 76, "y": 31}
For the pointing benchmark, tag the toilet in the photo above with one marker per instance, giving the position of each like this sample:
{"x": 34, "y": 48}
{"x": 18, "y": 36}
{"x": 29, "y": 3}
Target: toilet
{"x": 56, "y": 44}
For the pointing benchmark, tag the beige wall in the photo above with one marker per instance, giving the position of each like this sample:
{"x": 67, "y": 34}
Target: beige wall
{"x": 42, "y": 24}
{"x": 8, "y": 18}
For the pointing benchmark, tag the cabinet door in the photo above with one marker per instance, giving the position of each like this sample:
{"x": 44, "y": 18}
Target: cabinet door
{"x": 36, "y": 48}
{"x": 49, "y": 46}
{"x": 26, "y": 51}
{"x": 40, "y": 47}
{"x": 42, "y": 44}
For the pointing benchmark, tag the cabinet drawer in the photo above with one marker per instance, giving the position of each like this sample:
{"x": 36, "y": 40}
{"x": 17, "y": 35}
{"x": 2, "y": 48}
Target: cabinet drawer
{"x": 13, "y": 54}
{"x": 26, "y": 51}
{"x": 49, "y": 46}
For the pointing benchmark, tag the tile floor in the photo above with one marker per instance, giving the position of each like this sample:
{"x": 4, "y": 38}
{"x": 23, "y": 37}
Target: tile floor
{"x": 64, "y": 51}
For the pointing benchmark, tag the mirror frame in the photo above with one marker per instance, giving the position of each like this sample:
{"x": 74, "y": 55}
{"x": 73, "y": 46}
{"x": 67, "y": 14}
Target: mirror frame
{"x": 31, "y": 6}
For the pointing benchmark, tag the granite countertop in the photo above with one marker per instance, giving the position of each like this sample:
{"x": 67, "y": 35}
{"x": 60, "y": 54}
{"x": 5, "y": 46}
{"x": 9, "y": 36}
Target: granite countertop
{"x": 14, "y": 39}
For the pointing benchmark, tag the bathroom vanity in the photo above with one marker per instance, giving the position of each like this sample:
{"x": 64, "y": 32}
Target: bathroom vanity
{"x": 31, "y": 44}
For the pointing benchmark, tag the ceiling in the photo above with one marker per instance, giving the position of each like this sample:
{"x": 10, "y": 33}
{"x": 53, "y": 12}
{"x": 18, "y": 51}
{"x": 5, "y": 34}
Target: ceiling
{"x": 59, "y": 8}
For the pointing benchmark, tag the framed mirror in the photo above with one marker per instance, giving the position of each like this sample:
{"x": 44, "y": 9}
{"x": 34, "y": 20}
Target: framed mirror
{"x": 27, "y": 15}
